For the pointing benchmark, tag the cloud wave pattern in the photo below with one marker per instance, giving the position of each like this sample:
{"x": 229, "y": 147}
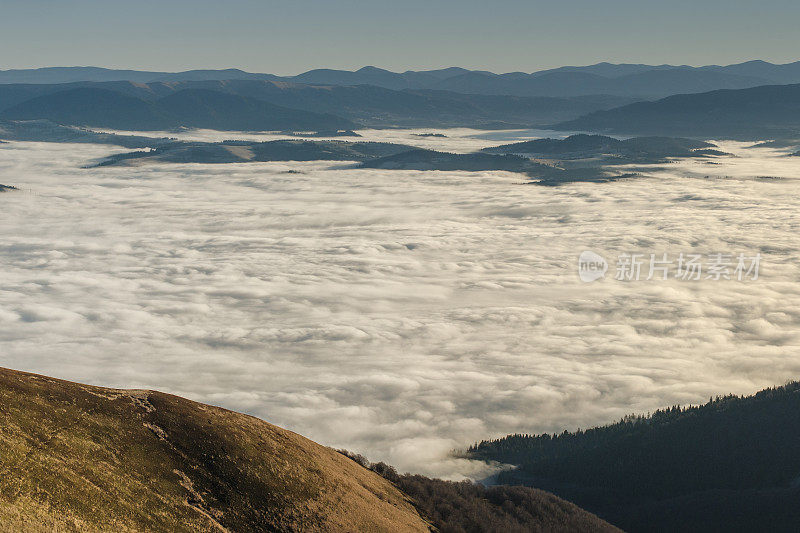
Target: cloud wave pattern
{"x": 399, "y": 314}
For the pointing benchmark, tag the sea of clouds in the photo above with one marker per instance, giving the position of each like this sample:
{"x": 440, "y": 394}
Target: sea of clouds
{"x": 399, "y": 314}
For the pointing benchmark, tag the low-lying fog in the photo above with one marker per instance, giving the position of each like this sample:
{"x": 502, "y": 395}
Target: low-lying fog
{"x": 399, "y": 314}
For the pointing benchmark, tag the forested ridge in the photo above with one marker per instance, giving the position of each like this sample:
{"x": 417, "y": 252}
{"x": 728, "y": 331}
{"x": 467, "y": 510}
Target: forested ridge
{"x": 468, "y": 507}
{"x": 728, "y": 454}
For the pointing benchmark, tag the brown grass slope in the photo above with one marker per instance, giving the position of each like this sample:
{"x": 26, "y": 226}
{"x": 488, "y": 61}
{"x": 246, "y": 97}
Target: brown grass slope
{"x": 82, "y": 458}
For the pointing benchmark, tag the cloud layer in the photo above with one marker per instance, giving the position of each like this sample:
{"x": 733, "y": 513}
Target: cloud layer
{"x": 399, "y": 314}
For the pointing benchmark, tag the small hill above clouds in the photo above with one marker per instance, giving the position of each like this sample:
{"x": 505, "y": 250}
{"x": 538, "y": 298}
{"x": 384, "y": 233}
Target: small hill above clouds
{"x": 574, "y": 144}
{"x": 249, "y": 151}
{"x": 552, "y": 174}
{"x": 587, "y": 158}
{"x": 636, "y": 149}
{"x": 82, "y": 458}
{"x": 91, "y": 106}
{"x": 46, "y": 131}
{"x": 420, "y": 159}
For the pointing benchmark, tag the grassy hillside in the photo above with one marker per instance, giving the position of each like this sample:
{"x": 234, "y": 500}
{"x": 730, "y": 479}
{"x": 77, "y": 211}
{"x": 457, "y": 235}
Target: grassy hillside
{"x": 76, "y": 457}
{"x": 730, "y": 465}
{"x": 80, "y": 458}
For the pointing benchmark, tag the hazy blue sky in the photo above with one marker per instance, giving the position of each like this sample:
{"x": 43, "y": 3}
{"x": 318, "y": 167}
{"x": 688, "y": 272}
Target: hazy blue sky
{"x": 287, "y": 37}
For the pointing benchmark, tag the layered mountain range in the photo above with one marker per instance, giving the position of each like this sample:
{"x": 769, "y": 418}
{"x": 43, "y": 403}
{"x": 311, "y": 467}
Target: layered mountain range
{"x": 240, "y": 105}
{"x": 332, "y": 101}
{"x": 633, "y": 80}
{"x": 771, "y": 111}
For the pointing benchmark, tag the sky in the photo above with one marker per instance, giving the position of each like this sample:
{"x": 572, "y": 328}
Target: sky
{"x": 289, "y": 37}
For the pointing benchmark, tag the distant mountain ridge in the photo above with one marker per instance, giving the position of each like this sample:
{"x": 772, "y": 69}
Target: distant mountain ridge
{"x": 250, "y": 103}
{"x": 194, "y": 108}
{"x": 771, "y": 111}
{"x": 75, "y": 74}
{"x": 634, "y": 80}
{"x": 366, "y": 104}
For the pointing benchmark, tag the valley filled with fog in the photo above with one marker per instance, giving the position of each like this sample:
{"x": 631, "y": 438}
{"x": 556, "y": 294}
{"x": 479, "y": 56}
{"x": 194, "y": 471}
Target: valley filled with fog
{"x": 399, "y": 314}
